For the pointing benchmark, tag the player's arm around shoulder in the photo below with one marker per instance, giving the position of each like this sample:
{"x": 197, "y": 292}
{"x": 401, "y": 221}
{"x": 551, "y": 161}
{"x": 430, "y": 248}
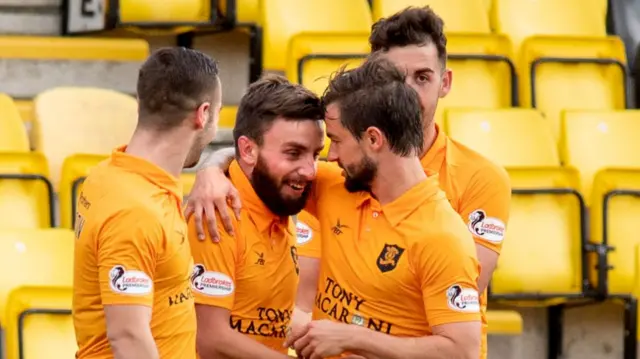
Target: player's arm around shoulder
{"x": 127, "y": 246}
{"x": 309, "y": 249}
{"x": 485, "y": 210}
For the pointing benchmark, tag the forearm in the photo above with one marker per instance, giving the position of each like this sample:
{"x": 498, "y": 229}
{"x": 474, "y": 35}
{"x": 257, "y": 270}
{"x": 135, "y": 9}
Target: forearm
{"x": 221, "y": 158}
{"x": 234, "y": 345}
{"x": 376, "y": 345}
{"x": 132, "y": 345}
{"x": 307, "y": 288}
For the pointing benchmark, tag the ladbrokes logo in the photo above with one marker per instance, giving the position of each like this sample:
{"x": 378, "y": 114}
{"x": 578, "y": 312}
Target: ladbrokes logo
{"x": 489, "y": 228}
{"x": 214, "y": 284}
{"x": 346, "y": 307}
{"x": 303, "y": 233}
{"x": 463, "y": 299}
{"x": 129, "y": 282}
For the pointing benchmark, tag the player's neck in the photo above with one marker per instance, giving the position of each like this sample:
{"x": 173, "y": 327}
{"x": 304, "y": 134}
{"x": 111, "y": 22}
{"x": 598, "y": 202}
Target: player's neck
{"x": 160, "y": 149}
{"x": 396, "y": 176}
{"x": 430, "y": 134}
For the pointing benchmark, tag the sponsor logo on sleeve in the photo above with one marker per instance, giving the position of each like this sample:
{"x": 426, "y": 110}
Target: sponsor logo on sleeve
{"x": 213, "y": 284}
{"x": 464, "y": 300}
{"x": 487, "y": 228}
{"x": 304, "y": 233}
{"x": 130, "y": 282}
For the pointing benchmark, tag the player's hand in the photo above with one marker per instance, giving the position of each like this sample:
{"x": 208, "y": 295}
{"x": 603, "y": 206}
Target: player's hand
{"x": 299, "y": 320}
{"x": 321, "y": 339}
{"x": 212, "y": 191}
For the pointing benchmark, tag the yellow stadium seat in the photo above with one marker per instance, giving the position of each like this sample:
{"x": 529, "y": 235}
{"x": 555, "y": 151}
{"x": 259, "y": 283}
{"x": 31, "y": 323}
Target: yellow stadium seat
{"x": 25, "y": 108}
{"x": 34, "y": 257}
{"x": 228, "y": 116}
{"x": 158, "y": 18}
{"x": 614, "y": 267}
{"x": 504, "y": 322}
{"x": 458, "y": 15}
{"x": 164, "y": 12}
{"x": 39, "y": 323}
{"x": 13, "y": 137}
{"x": 77, "y": 48}
{"x": 522, "y": 19}
{"x": 81, "y": 120}
{"x": 26, "y": 195}
{"x": 483, "y": 73}
{"x": 313, "y": 58}
{"x": 544, "y": 199}
{"x": 596, "y": 140}
{"x": 618, "y": 218}
{"x": 284, "y": 19}
{"x": 488, "y": 4}
{"x": 74, "y": 170}
{"x": 247, "y": 11}
{"x": 511, "y": 137}
{"x": 572, "y": 74}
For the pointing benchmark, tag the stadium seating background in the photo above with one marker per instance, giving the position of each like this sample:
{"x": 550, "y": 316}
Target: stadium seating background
{"x": 72, "y": 128}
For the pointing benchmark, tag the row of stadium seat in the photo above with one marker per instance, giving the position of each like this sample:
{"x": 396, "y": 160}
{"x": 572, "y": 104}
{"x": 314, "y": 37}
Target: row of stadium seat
{"x": 584, "y": 75}
{"x": 512, "y": 137}
{"x": 283, "y": 20}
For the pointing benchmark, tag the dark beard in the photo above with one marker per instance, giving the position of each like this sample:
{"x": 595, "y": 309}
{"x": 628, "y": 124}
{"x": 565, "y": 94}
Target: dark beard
{"x": 358, "y": 178}
{"x": 268, "y": 190}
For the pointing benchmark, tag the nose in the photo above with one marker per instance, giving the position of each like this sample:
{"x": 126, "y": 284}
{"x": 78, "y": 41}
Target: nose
{"x": 332, "y": 154}
{"x": 308, "y": 170}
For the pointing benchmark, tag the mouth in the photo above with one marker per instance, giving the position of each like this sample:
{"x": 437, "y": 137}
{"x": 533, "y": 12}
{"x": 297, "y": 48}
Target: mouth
{"x": 297, "y": 187}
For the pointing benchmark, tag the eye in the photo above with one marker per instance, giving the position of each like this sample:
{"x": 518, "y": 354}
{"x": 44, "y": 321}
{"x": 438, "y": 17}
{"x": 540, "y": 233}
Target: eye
{"x": 293, "y": 154}
{"x": 422, "y": 78}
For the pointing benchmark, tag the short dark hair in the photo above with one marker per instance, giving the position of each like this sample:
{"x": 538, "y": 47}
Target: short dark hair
{"x": 376, "y": 95}
{"x": 172, "y": 82}
{"x": 271, "y": 97}
{"x": 411, "y": 26}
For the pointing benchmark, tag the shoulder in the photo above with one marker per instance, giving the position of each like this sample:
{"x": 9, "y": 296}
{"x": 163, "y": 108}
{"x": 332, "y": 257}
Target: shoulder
{"x": 478, "y": 169}
{"x": 436, "y": 225}
{"x": 131, "y": 215}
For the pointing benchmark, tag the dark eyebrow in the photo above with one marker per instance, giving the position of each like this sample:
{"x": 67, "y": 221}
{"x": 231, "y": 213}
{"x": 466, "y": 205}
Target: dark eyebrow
{"x": 424, "y": 69}
{"x": 295, "y": 145}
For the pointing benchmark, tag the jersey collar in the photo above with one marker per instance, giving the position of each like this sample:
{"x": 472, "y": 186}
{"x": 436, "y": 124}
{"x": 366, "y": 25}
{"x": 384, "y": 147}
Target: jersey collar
{"x": 148, "y": 170}
{"x": 398, "y": 210}
{"x": 260, "y": 214}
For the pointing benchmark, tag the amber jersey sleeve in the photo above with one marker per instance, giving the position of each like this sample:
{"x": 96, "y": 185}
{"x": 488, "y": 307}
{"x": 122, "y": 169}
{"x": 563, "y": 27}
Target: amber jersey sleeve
{"x": 308, "y": 239}
{"x": 214, "y": 274}
{"x": 127, "y": 253}
{"x": 448, "y": 272}
{"x": 485, "y": 206}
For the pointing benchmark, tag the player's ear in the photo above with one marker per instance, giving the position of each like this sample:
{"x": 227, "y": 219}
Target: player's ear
{"x": 373, "y": 138}
{"x": 202, "y": 116}
{"x": 248, "y": 150}
{"x": 445, "y": 84}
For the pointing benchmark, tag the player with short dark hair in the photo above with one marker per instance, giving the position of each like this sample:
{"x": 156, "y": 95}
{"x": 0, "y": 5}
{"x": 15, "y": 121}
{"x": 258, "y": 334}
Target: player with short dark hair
{"x": 132, "y": 297}
{"x": 477, "y": 188}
